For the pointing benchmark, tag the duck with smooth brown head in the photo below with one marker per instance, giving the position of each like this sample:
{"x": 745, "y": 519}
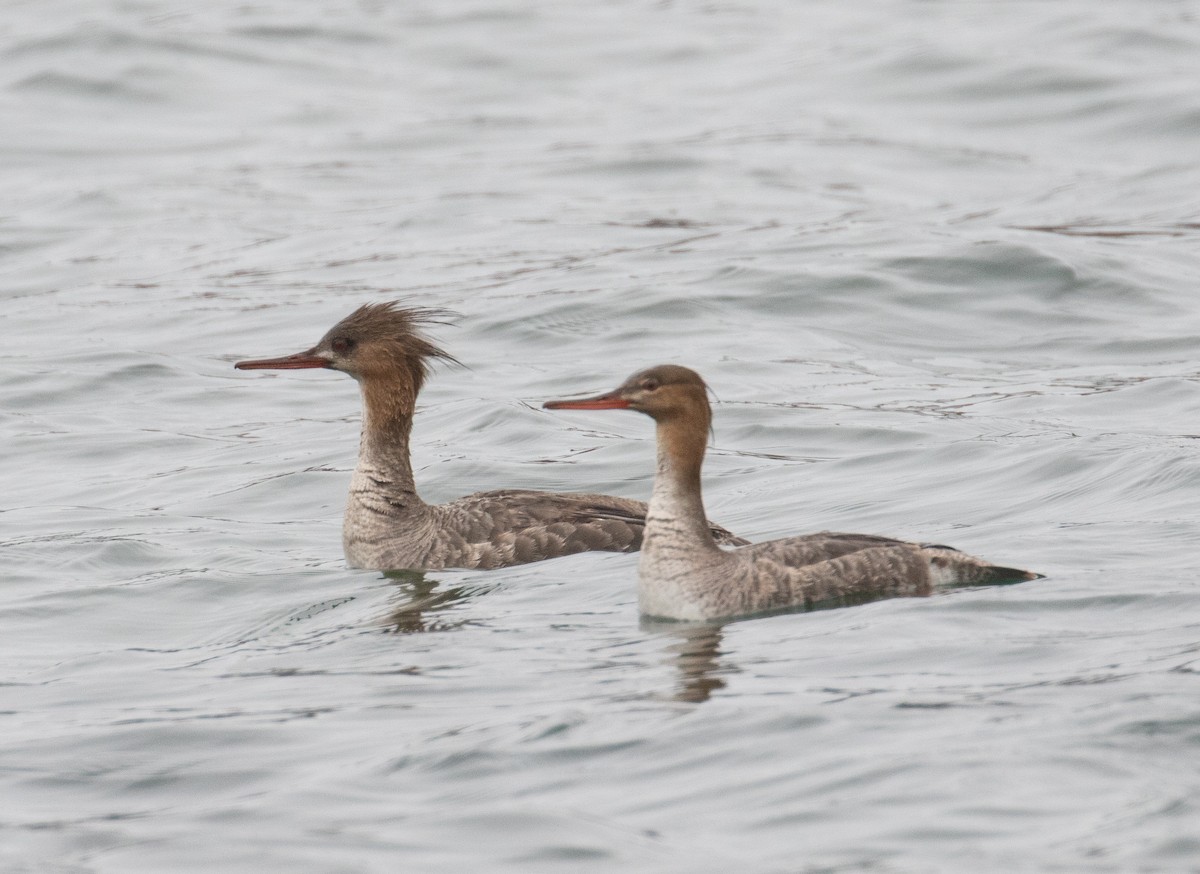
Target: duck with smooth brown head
{"x": 684, "y": 574}
{"x": 387, "y": 526}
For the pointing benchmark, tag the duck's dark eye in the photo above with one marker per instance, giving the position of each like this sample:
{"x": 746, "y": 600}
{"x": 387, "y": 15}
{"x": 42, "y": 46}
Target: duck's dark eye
{"x": 649, "y": 385}
{"x": 342, "y": 345}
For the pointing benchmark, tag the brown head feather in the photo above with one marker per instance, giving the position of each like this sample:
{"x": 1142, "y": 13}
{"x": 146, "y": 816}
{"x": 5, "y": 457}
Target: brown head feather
{"x": 385, "y": 342}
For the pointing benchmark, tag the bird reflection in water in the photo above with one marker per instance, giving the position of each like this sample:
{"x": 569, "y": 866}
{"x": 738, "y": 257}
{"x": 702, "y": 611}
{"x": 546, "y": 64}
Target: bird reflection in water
{"x": 694, "y": 649}
{"x": 421, "y": 606}
{"x": 696, "y": 652}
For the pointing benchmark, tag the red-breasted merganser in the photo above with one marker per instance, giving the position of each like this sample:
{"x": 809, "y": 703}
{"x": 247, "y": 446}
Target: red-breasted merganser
{"x": 387, "y": 526}
{"x": 684, "y": 575}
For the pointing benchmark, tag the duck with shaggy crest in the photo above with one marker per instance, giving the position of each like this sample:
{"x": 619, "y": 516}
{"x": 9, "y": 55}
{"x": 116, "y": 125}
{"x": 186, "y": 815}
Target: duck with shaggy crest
{"x": 387, "y": 526}
{"x": 684, "y": 574}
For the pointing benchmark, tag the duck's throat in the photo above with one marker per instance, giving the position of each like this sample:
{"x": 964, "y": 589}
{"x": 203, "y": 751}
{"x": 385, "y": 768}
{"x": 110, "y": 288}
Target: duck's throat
{"x": 676, "y": 506}
{"x": 383, "y": 453}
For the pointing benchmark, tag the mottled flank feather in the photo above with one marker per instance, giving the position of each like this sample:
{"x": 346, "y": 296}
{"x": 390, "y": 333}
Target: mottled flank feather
{"x": 496, "y": 529}
{"x": 684, "y": 575}
{"x": 387, "y": 526}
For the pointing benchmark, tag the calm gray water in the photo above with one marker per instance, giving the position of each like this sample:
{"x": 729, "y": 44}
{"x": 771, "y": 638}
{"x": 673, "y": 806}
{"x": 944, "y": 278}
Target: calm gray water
{"x": 938, "y": 261}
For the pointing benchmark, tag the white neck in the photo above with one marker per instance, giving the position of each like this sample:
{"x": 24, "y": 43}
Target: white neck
{"x": 678, "y": 541}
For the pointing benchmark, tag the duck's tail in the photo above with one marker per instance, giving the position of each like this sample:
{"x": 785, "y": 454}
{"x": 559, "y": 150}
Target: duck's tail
{"x": 949, "y": 568}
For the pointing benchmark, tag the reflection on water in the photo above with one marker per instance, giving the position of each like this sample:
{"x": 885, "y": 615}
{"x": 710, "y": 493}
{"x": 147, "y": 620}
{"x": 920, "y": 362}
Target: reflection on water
{"x": 696, "y": 652}
{"x": 419, "y": 603}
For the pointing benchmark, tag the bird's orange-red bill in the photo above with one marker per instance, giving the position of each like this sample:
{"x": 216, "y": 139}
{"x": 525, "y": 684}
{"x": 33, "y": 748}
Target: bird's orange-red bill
{"x": 299, "y": 361}
{"x": 602, "y": 402}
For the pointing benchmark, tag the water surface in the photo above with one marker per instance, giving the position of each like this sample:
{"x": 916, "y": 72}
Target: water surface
{"x": 938, "y": 262}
